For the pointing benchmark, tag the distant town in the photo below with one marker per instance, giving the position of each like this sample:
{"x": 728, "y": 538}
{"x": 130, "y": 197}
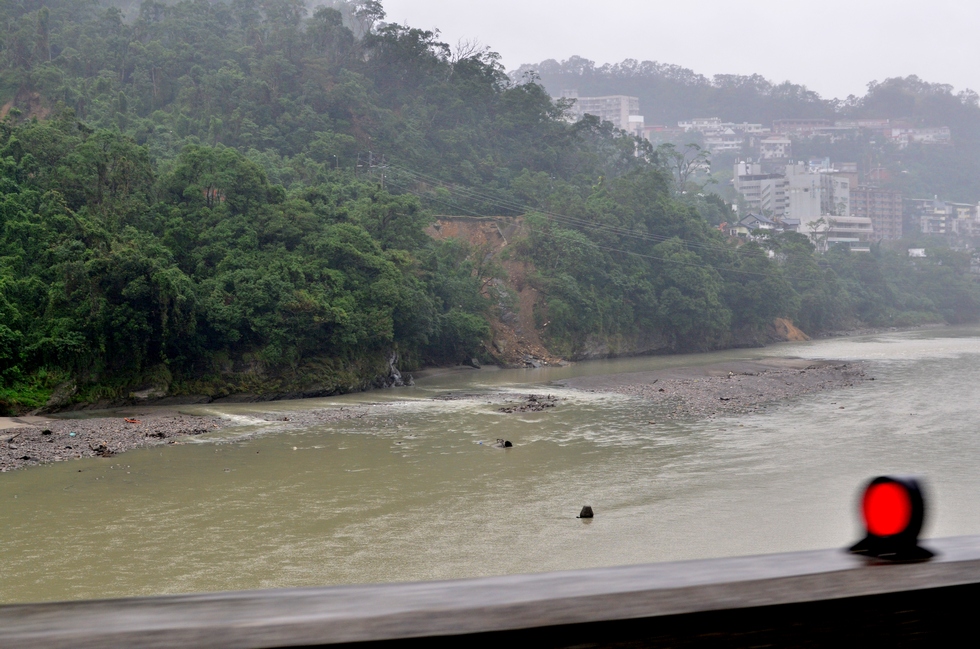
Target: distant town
{"x": 828, "y": 200}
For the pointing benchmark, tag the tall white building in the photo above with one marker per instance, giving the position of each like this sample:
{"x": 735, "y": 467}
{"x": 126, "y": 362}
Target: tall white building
{"x": 621, "y": 110}
{"x": 761, "y": 193}
{"x": 812, "y": 195}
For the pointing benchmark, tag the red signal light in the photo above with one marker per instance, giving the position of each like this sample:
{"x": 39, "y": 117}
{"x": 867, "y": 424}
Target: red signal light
{"x": 887, "y": 509}
{"x": 893, "y": 510}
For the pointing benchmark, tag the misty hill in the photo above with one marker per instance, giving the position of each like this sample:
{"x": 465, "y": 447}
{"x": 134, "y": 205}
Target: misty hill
{"x": 209, "y": 198}
{"x": 671, "y": 93}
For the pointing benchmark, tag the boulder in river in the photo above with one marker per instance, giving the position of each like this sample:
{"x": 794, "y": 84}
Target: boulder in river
{"x": 586, "y": 512}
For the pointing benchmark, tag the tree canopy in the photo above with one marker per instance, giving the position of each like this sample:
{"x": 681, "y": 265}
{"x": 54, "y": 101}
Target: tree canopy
{"x": 196, "y": 186}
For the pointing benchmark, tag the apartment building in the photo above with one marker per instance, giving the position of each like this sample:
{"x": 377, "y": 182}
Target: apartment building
{"x": 882, "y": 206}
{"x": 855, "y": 232}
{"x": 799, "y": 127}
{"x": 761, "y": 193}
{"x": 621, "y": 110}
{"x": 719, "y": 136}
{"x": 943, "y": 218}
{"x": 906, "y": 136}
{"x": 814, "y": 194}
{"x": 775, "y": 147}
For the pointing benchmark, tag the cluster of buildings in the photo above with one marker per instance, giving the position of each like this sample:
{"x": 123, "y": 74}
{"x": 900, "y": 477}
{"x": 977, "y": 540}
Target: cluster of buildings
{"x": 776, "y": 142}
{"x": 764, "y": 143}
{"x": 831, "y": 203}
{"x": 934, "y": 216}
{"x": 900, "y": 132}
{"x": 814, "y": 198}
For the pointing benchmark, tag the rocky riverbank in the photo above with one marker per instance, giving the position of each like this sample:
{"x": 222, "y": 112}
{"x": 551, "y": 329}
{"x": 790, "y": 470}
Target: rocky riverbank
{"x": 30, "y": 441}
{"x": 56, "y": 440}
{"x": 720, "y": 389}
{"x": 727, "y": 388}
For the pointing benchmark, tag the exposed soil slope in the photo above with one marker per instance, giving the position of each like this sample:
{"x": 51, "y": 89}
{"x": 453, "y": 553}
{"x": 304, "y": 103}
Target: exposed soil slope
{"x": 515, "y": 340}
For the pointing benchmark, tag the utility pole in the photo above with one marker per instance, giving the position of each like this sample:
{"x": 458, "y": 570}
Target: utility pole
{"x": 374, "y": 162}
{"x": 384, "y": 168}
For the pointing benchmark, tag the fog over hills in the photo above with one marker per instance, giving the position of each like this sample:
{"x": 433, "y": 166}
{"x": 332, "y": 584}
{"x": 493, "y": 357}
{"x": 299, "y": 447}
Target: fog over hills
{"x": 202, "y": 199}
{"x": 835, "y": 48}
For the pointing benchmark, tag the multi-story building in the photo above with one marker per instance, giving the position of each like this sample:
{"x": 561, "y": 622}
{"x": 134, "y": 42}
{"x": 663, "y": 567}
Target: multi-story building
{"x": 722, "y": 136}
{"x": 775, "y": 147}
{"x": 812, "y": 195}
{"x": 933, "y": 216}
{"x": 722, "y": 141}
{"x": 761, "y": 193}
{"x": 847, "y": 170}
{"x": 804, "y": 127}
{"x": 882, "y": 206}
{"x": 855, "y": 232}
{"x": 621, "y": 110}
{"x": 877, "y": 125}
{"x": 701, "y": 124}
{"x": 935, "y": 135}
{"x": 709, "y": 125}
{"x": 658, "y": 133}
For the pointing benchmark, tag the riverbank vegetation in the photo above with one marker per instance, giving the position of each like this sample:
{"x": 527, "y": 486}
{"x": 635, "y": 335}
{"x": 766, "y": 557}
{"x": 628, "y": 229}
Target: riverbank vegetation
{"x": 215, "y": 198}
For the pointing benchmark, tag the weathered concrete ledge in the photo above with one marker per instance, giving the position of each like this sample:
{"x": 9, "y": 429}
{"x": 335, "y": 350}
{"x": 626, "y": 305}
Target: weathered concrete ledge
{"x": 767, "y": 589}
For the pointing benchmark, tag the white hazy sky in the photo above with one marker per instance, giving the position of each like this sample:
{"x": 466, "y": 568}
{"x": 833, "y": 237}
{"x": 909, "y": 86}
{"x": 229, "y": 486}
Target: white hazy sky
{"x": 832, "y": 46}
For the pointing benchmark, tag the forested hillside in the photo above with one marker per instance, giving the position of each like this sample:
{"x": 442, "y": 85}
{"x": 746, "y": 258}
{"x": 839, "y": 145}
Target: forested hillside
{"x": 670, "y": 93}
{"x": 211, "y": 198}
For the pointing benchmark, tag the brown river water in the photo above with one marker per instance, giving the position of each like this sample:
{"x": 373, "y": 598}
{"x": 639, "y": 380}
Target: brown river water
{"x": 411, "y": 489}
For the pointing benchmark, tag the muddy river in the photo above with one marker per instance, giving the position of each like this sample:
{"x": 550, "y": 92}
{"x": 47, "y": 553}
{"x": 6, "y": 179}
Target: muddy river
{"x": 412, "y": 488}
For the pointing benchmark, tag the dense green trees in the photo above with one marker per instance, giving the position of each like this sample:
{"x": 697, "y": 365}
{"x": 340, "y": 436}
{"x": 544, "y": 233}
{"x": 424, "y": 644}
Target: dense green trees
{"x": 199, "y": 185}
{"x": 108, "y": 270}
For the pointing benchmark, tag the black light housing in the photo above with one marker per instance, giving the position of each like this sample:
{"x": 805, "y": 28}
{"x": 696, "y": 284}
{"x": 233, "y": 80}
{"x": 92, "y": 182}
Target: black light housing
{"x": 893, "y": 510}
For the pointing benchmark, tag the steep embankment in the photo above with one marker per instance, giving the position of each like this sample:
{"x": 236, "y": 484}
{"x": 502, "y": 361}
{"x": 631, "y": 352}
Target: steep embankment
{"x": 515, "y": 339}
{"x": 244, "y": 380}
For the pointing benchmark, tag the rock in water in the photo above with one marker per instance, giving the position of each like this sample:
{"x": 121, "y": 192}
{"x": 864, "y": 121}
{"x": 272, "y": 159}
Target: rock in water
{"x": 393, "y": 374}
{"x": 586, "y": 512}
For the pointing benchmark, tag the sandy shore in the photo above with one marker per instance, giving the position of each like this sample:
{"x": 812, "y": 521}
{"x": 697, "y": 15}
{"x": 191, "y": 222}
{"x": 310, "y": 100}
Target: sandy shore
{"x": 726, "y": 388}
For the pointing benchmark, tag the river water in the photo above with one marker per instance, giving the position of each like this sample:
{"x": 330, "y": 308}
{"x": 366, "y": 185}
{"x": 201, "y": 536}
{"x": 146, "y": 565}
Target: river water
{"x": 412, "y": 489}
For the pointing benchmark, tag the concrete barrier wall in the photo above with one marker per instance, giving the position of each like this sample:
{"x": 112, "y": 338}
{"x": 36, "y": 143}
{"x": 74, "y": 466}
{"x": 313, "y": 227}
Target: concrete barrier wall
{"x": 816, "y": 598}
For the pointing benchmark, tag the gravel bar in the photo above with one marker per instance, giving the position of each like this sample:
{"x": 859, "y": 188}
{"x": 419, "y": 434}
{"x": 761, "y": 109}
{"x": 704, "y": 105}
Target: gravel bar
{"x": 722, "y": 389}
{"x": 56, "y": 440}
{"x": 44, "y": 440}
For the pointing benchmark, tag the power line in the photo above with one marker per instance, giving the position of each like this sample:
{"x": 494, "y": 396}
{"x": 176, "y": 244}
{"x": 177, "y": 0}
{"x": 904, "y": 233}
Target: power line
{"x": 703, "y": 264}
{"x": 473, "y": 194}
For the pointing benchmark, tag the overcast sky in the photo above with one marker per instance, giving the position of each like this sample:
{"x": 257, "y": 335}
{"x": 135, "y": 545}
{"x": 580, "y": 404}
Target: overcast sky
{"x": 832, "y": 46}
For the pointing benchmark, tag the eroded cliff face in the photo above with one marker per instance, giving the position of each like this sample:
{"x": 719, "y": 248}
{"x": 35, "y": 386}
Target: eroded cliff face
{"x": 518, "y": 337}
{"x": 515, "y": 339}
